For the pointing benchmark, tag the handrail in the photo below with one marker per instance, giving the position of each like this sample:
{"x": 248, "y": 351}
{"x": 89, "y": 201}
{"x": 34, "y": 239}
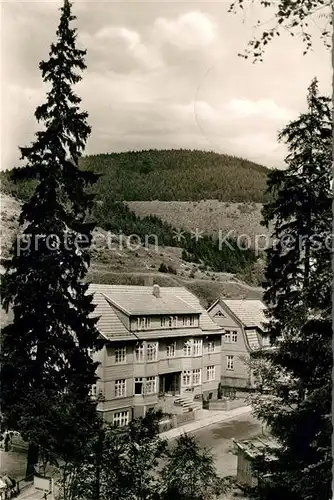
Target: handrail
{"x": 27, "y": 479}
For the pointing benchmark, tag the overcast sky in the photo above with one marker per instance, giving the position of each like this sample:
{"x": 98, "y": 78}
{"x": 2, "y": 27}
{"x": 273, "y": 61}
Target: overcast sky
{"x": 161, "y": 75}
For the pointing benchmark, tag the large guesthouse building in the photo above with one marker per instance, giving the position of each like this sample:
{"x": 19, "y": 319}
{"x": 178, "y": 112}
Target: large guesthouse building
{"x": 160, "y": 347}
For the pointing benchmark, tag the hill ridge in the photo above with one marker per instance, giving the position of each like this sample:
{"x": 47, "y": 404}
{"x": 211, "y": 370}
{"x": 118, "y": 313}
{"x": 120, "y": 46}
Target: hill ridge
{"x": 165, "y": 175}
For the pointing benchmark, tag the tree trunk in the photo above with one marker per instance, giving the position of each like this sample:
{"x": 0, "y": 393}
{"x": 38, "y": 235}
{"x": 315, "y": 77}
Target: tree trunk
{"x": 32, "y": 459}
{"x": 99, "y": 451}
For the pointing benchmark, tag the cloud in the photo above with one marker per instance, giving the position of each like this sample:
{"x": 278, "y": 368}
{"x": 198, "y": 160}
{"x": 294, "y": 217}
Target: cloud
{"x": 120, "y": 49}
{"x": 262, "y": 107}
{"x": 258, "y": 146}
{"x": 256, "y": 123}
{"x": 110, "y": 33}
{"x": 159, "y": 75}
{"x": 189, "y": 31}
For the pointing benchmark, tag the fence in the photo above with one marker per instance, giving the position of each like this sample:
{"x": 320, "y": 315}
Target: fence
{"x": 184, "y": 417}
{"x": 165, "y": 425}
{"x": 229, "y": 393}
{"x": 225, "y": 404}
{"x": 176, "y": 420}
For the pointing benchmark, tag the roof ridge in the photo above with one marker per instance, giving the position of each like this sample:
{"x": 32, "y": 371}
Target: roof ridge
{"x": 110, "y": 285}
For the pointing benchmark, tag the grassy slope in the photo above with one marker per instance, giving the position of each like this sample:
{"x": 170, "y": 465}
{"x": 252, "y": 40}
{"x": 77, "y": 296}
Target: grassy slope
{"x": 125, "y": 266}
{"x": 209, "y": 216}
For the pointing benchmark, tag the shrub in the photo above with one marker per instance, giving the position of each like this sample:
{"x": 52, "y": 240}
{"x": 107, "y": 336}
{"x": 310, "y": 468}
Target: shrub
{"x": 172, "y": 270}
{"x": 163, "y": 268}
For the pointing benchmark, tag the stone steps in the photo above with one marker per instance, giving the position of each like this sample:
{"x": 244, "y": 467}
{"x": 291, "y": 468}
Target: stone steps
{"x": 187, "y": 402}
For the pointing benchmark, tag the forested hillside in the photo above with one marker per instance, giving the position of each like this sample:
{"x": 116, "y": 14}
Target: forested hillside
{"x": 168, "y": 175}
{"x": 177, "y": 175}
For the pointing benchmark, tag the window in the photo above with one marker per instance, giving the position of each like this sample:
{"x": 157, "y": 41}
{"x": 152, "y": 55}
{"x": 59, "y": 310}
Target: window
{"x": 144, "y": 323}
{"x": 171, "y": 350}
{"x": 163, "y": 321}
{"x": 234, "y": 337}
{"x": 210, "y": 372}
{"x": 151, "y": 351}
{"x": 188, "y": 320}
{"x": 197, "y": 347}
{"x": 121, "y": 419}
{"x": 151, "y": 385}
{"x": 211, "y": 347}
{"x": 196, "y": 376}
{"x": 219, "y": 314}
{"x": 93, "y": 391}
{"x": 187, "y": 348}
{"x": 90, "y": 352}
{"x": 120, "y": 355}
{"x": 139, "y": 351}
{"x": 186, "y": 378}
{"x": 120, "y": 388}
{"x": 230, "y": 362}
{"x": 228, "y": 336}
{"x": 172, "y": 321}
{"x": 138, "y": 385}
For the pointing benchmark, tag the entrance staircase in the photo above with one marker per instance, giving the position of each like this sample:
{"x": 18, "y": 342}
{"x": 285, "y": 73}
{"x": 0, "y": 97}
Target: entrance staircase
{"x": 187, "y": 402}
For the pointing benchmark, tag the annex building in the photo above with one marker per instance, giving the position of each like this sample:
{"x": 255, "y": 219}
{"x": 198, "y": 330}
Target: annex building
{"x": 243, "y": 321}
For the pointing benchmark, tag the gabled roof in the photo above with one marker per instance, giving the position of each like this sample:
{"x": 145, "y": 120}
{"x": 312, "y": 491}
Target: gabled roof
{"x": 139, "y": 300}
{"x": 109, "y": 325}
{"x": 136, "y": 301}
{"x": 250, "y": 312}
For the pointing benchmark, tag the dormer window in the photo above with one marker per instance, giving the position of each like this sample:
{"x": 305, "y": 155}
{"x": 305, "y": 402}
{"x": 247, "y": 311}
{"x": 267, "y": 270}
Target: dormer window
{"x": 143, "y": 323}
{"x": 188, "y": 321}
{"x": 172, "y": 321}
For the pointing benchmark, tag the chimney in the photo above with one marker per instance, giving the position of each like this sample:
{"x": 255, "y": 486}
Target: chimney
{"x": 156, "y": 291}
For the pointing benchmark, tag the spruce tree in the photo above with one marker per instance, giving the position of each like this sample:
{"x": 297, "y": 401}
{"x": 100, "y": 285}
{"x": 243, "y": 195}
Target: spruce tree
{"x": 190, "y": 473}
{"x": 47, "y": 371}
{"x": 298, "y": 296}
